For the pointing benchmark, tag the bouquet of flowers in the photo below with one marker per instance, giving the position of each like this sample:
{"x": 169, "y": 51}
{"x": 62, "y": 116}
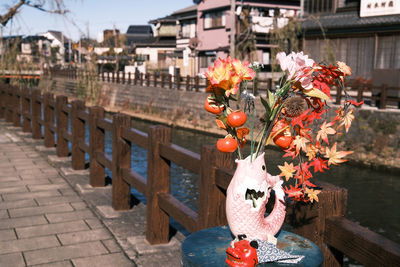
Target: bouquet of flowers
{"x": 295, "y": 116}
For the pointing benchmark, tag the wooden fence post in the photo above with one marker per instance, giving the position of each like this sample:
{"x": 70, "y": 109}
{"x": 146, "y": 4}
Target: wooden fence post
{"x": 255, "y": 81}
{"x": 382, "y": 100}
{"x": 129, "y": 78}
{"x": 113, "y": 77}
{"x": 308, "y": 219}
{"x": 26, "y": 106}
{"x": 96, "y": 141}
{"x": 170, "y": 81}
{"x": 148, "y": 75}
{"x": 78, "y": 135}
{"x": 155, "y": 79}
{"x": 338, "y": 95}
{"x": 62, "y": 126}
{"x": 187, "y": 82}
{"x": 158, "y": 181}
{"x": 8, "y": 104}
{"x": 162, "y": 79}
{"x": 102, "y": 76}
{"x": 117, "y": 74}
{"x": 123, "y": 77}
{"x": 2, "y": 100}
{"x": 178, "y": 82}
{"x": 360, "y": 91}
{"x": 16, "y": 107}
{"x": 121, "y": 158}
{"x": 48, "y": 114}
{"x": 108, "y": 76}
{"x": 135, "y": 78}
{"x": 36, "y": 114}
{"x": 211, "y": 207}
{"x": 196, "y": 83}
{"x": 141, "y": 79}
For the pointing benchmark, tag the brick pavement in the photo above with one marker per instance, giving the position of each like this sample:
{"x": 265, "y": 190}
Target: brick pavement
{"x": 53, "y": 218}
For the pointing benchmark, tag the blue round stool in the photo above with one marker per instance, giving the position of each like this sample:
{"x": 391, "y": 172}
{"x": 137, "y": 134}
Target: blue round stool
{"x": 207, "y": 247}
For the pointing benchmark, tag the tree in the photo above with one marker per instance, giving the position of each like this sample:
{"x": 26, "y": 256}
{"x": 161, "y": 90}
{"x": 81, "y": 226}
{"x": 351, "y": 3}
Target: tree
{"x": 49, "y": 6}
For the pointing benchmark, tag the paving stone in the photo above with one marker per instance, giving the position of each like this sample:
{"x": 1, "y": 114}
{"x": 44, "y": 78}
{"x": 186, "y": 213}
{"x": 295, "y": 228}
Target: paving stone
{"x": 17, "y": 204}
{"x": 48, "y": 229}
{"x": 20, "y": 182}
{"x": 57, "y": 180}
{"x": 94, "y": 223}
{"x": 84, "y": 236}
{"x": 18, "y": 189}
{"x": 24, "y": 212}
{"x": 24, "y": 167}
{"x": 108, "y": 212}
{"x": 142, "y": 246}
{"x": 65, "y": 263}
{"x": 116, "y": 259}
{"x": 64, "y": 252}
{"x": 31, "y": 195}
{"x": 22, "y": 222}
{"x": 49, "y": 170}
{"x": 111, "y": 245}
{"x": 69, "y": 171}
{"x": 13, "y": 259}
{"x": 34, "y": 188}
{"x": 70, "y": 216}
{"x": 67, "y": 192}
{"x": 56, "y": 200}
{"x": 9, "y": 178}
{"x": 7, "y": 235}
{"x": 27, "y": 244}
{"x": 79, "y": 205}
{"x": 3, "y": 214}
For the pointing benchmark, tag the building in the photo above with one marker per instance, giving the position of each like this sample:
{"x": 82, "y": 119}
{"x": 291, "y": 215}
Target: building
{"x": 186, "y": 40}
{"x": 35, "y": 49}
{"x": 61, "y": 45}
{"x": 365, "y": 34}
{"x": 252, "y": 22}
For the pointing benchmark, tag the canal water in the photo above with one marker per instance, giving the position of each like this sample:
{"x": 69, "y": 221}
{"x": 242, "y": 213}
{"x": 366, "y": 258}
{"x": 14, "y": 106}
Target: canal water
{"x": 372, "y": 195}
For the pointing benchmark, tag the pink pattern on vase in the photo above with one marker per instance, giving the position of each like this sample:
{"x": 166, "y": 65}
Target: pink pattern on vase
{"x": 247, "y": 195}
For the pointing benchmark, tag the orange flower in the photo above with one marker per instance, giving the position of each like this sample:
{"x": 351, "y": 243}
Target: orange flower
{"x": 243, "y": 70}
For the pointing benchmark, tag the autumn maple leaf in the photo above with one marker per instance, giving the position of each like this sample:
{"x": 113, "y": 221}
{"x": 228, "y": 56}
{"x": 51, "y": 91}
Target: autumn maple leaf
{"x": 287, "y": 170}
{"x": 312, "y": 194}
{"x": 293, "y": 192}
{"x": 300, "y": 143}
{"x": 325, "y": 130}
{"x": 336, "y": 157}
{"x": 346, "y": 120}
{"x": 319, "y": 165}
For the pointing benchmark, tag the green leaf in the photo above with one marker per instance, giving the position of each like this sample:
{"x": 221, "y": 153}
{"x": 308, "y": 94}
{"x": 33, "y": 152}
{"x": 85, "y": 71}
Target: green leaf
{"x": 266, "y": 106}
{"x": 271, "y": 99}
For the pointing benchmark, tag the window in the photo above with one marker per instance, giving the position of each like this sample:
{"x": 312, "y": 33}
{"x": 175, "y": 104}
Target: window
{"x": 206, "y": 61}
{"x": 214, "y": 20}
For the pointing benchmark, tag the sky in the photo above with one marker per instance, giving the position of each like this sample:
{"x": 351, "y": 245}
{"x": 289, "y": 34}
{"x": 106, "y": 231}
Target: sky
{"x": 90, "y": 17}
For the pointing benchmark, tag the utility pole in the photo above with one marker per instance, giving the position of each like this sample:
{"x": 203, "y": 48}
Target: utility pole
{"x": 233, "y": 29}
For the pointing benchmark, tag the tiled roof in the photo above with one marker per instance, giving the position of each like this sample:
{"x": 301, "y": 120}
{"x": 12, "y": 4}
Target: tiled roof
{"x": 351, "y": 21}
{"x": 191, "y": 8}
{"x": 140, "y": 29}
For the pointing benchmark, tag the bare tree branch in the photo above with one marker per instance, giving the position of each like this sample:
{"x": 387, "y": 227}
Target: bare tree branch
{"x": 11, "y": 12}
{"x": 59, "y": 8}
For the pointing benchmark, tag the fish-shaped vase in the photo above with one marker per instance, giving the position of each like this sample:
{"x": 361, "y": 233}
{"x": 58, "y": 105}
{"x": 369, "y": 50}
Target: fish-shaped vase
{"x": 246, "y": 197}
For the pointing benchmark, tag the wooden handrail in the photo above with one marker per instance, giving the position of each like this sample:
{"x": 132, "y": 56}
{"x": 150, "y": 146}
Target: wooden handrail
{"x": 134, "y": 179}
{"x": 181, "y": 213}
{"x": 105, "y": 124}
{"x": 360, "y": 243}
{"x": 104, "y": 159}
{"x": 181, "y": 156}
{"x": 135, "y": 136}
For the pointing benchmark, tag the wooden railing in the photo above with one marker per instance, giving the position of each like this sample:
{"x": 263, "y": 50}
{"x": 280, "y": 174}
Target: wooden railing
{"x": 321, "y": 222}
{"x": 378, "y": 95}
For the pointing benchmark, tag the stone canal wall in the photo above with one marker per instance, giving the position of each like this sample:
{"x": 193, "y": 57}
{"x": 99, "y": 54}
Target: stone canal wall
{"x": 374, "y": 136}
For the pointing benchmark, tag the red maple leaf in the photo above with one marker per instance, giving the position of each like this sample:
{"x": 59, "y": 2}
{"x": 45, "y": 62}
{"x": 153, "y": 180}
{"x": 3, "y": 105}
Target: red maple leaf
{"x": 319, "y": 165}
